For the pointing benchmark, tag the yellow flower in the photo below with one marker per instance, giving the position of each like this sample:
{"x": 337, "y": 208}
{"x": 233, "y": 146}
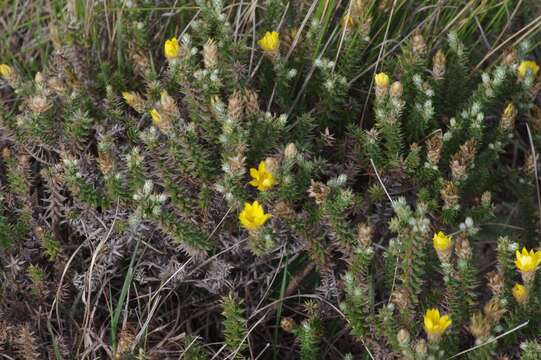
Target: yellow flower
{"x": 270, "y": 42}
{"x": 442, "y": 242}
{"x": 527, "y": 67}
{"x": 134, "y": 100}
{"x": 520, "y": 293}
{"x": 262, "y": 179}
{"x": 508, "y": 117}
{"x": 253, "y": 217}
{"x": 171, "y": 48}
{"x": 382, "y": 80}
{"x": 164, "y": 97}
{"x": 156, "y": 117}
{"x": 527, "y": 262}
{"x": 129, "y": 97}
{"x": 435, "y": 325}
{"x": 510, "y": 111}
{"x": 6, "y": 70}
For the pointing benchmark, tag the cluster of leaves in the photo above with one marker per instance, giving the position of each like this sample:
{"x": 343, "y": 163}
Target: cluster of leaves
{"x": 122, "y": 180}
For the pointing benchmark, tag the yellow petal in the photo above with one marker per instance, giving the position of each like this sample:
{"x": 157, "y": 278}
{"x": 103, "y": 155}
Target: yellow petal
{"x": 262, "y": 168}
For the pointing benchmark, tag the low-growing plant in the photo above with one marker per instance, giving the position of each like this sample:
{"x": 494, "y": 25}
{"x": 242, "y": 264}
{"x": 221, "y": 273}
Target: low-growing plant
{"x": 263, "y": 180}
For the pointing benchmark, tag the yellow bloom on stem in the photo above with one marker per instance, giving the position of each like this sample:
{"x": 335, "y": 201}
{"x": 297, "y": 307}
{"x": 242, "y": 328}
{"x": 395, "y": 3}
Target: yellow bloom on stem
{"x": 382, "y": 80}
{"x": 253, "y": 217}
{"x": 527, "y": 67}
{"x": 129, "y": 97}
{"x": 171, "y": 48}
{"x": 510, "y": 111}
{"x": 6, "y": 70}
{"x": 520, "y": 293}
{"x": 134, "y": 100}
{"x": 270, "y": 42}
{"x": 527, "y": 262}
{"x": 435, "y": 325}
{"x": 156, "y": 117}
{"x": 262, "y": 179}
{"x": 442, "y": 242}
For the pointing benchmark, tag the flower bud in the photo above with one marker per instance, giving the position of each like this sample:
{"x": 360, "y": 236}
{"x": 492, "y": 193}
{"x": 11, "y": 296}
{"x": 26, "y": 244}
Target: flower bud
{"x": 39, "y": 104}
{"x": 438, "y": 65}
{"x": 210, "y": 54}
{"x": 235, "y": 106}
{"x": 510, "y": 57}
{"x": 495, "y": 283}
{"x": 508, "y": 117}
{"x": 403, "y": 337}
{"x": 421, "y": 348}
{"x": 396, "y": 89}
{"x": 382, "y": 81}
{"x": 364, "y": 235}
{"x": 418, "y": 44}
{"x": 463, "y": 248}
{"x": 39, "y": 79}
{"x": 318, "y": 191}
{"x": 520, "y": 293}
{"x": 494, "y": 310}
{"x": 479, "y": 326}
{"x": 288, "y": 324}
{"x": 486, "y": 199}
{"x": 290, "y": 151}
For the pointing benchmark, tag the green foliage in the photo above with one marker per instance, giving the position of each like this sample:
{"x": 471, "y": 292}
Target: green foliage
{"x": 37, "y": 276}
{"x": 380, "y": 122}
{"x": 357, "y": 282}
{"x": 308, "y": 333}
{"x": 412, "y": 229}
{"x": 49, "y": 243}
{"x": 5, "y": 232}
{"x": 388, "y": 327}
{"x": 530, "y": 350}
{"x": 235, "y": 330}
{"x": 462, "y": 284}
{"x": 334, "y": 209}
{"x": 193, "y": 350}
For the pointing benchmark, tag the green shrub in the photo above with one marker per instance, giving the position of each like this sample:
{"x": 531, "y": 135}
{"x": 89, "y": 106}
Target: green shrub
{"x": 191, "y": 176}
